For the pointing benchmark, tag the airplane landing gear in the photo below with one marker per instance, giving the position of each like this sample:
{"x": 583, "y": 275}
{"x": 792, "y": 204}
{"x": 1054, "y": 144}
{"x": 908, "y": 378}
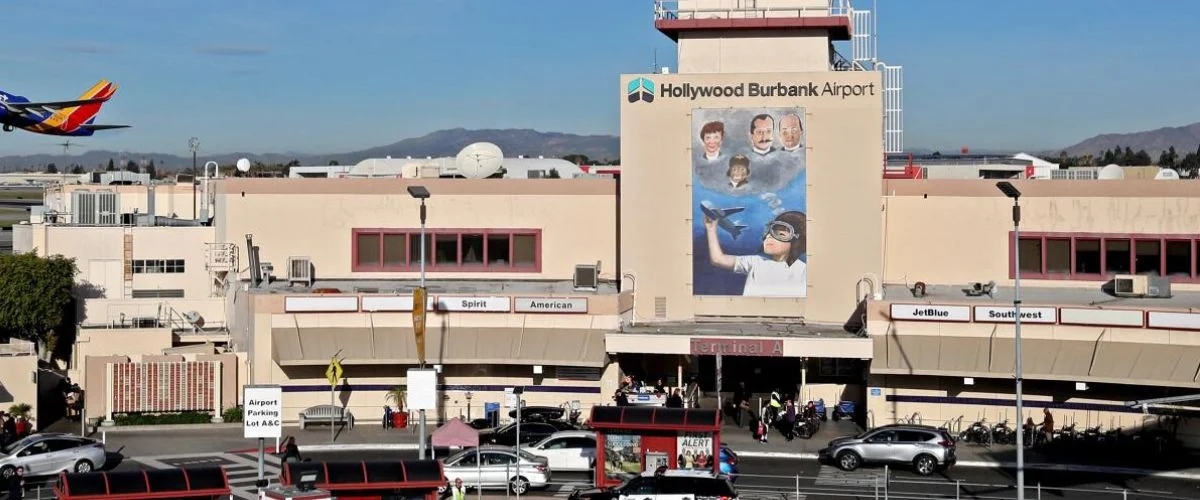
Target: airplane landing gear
{"x": 8, "y": 128}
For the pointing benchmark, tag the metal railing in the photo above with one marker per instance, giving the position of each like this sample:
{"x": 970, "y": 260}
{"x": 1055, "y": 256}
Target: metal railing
{"x": 746, "y": 9}
{"x": 17, "y": 347}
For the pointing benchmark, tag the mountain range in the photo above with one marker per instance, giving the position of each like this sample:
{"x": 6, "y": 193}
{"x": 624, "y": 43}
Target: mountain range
{"x": 528, "y": 142}
{"x": 1185, "y": 139}
{"x": 441, "y": 143}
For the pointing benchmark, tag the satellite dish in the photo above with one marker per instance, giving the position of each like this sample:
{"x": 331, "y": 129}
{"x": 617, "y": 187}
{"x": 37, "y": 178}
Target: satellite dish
{"x": 479, "y": 160}
{"x": 243, "y": 165}
{"x": 1166, "y": 174}
{"x": 1111, "y": 172}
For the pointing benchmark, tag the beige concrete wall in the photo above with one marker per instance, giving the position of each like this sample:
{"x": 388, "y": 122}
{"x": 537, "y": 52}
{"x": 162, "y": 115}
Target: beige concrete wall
{"x": 929, "y": 223}
{"x": 843, "y": 163}
{"x": 18, "y": 383}
{"x": 753, "y": 51}
{"x": 577, "y": 219}
{"x": 103, "y": 343}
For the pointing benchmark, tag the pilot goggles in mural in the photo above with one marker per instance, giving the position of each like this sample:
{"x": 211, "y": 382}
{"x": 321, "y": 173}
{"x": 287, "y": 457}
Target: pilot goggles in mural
{"x": 781, "y": 231}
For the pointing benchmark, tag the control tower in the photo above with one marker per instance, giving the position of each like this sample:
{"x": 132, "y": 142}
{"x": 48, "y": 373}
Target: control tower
{"x": 778, "y": 36}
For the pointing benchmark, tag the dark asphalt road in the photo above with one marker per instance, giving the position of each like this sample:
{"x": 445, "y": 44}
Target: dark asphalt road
{"x": 776, "y": 477}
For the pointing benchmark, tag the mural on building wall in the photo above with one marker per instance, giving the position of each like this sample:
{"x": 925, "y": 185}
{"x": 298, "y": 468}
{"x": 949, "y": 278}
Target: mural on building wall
{"x": 749, "y": 202}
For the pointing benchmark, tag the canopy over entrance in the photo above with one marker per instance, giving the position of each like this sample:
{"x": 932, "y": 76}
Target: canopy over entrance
{"x": 455, "y": 433}
{"x": 650, "y": 418}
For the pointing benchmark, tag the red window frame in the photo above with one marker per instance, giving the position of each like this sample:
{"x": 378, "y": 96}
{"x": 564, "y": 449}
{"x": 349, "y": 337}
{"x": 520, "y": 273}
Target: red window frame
{"x": 1103, "y": 238}
{"x": 413, "y": 262}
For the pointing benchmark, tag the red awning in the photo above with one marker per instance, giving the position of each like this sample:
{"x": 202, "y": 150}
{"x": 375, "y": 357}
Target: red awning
{"x": 455, "y": 433}
{"x": 368, "y": 475}
{"x": 190, "y": 482}
{"x": 653, "y": 418}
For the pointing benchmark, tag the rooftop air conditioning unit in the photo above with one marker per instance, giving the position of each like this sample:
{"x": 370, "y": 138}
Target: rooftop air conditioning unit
{"x": 1131, "y": 285}
{"x": 300, "y": 270}
{"x": 587, "y": 276}
{"x": 267, "y": 271}
{"x": 1159, "y": 287}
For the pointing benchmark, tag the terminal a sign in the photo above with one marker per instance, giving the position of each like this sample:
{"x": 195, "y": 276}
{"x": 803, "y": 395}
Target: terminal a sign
{"x": 766, "y": 89}
{"x": 737, "y": 347}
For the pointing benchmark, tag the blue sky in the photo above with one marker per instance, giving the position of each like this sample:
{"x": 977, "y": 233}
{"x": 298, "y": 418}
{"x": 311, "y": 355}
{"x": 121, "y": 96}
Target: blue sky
{"x": 317, "y": 76}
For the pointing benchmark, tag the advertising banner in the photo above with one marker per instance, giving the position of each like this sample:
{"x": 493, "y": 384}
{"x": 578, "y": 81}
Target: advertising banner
{"x": 695, "y": 450}
{"x": 749, "y": 202}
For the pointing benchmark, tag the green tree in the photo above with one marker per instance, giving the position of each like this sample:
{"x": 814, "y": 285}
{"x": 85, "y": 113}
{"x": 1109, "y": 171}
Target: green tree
{"x": 111, "y": 166}
{"x": 131, "y": 166}
{"x": 1142, "y": 158}
{"x": 76, "y": 169}
{"x": 36, "y": 297}
{"x": 578, "y": 159}
{"x": 51, "y": 168}
{"x": 152, "y": 170}
{"x": 333, "y": 163}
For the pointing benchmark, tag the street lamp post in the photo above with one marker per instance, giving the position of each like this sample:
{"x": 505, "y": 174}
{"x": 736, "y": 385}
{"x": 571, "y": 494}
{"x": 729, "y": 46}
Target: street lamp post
{"x": 420, "y": 193}
{"x": 1011, "y": 191}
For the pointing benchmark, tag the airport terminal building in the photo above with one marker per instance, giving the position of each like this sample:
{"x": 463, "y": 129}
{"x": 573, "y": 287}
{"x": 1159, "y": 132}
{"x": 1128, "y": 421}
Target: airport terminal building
{"x": 752, "y": 236}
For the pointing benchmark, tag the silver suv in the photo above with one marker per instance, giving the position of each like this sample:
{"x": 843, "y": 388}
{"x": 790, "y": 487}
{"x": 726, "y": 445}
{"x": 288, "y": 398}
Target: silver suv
{"x": 926, "y": 447}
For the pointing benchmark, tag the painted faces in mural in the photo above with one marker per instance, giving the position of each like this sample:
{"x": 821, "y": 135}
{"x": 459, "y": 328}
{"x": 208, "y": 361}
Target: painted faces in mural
{"x": 749, "y": 202}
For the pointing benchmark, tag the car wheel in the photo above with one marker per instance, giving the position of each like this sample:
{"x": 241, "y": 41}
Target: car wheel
{"x": 7, "y": 471}
{"x": 848, "y": 460}
{"x": 83, "y": 467}
{"x": 518, "y": 485}
{"x": 925, "y": 464}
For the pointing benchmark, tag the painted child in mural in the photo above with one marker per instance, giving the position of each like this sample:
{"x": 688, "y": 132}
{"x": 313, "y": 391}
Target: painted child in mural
{"x": 779, "y": 271}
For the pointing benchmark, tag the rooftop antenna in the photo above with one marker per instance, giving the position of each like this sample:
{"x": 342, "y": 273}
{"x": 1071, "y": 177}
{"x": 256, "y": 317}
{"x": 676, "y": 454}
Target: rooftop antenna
{"x": 655, "y": 71}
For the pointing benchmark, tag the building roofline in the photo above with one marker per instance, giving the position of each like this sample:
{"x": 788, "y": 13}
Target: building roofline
{"x": 597, "y": 186}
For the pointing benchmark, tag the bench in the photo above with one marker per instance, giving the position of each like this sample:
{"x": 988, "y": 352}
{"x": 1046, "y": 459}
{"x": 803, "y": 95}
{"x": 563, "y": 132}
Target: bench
{"x": 326, "y": 413}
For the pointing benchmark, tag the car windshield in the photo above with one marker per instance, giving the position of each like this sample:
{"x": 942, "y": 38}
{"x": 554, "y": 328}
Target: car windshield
{"x": 15, "y": 445}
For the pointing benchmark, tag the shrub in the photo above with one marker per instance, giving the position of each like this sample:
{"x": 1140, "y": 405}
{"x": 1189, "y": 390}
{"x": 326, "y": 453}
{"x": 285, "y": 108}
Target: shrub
{"x": 233, "y": 414}
{"x": 187, "y": 417}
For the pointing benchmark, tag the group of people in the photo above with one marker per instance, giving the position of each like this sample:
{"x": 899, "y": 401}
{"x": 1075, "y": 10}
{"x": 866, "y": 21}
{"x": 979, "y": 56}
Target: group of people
{"x": 675, "y": 397}
{"x": 13, "y": 427}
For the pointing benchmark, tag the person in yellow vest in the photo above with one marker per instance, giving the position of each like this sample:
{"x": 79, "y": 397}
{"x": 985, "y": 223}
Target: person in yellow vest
{"x": 458, "y": 492}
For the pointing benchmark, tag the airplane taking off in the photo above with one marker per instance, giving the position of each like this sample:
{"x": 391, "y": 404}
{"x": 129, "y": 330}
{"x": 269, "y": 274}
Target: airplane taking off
{"x": 721, "y": 215}
{"x": 64, "y": 118}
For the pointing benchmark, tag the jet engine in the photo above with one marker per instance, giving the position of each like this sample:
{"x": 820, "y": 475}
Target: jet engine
{"x": 8, "y": 128}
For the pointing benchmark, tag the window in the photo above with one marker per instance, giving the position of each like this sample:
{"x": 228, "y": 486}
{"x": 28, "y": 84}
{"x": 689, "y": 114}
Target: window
{"x": 477, "y": 250}
{"x": 1147, "y": 257}
{"x": 1116, "y": 256}
{"x": 1089, "y": 256}
{"x": 1058, "y": 256}
{"x": 1179, "y": 258}
{"x": 1031, "y": 255}
{"x": 158, "y": 266}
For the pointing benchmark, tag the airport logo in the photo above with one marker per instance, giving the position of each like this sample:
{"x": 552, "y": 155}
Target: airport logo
{"x": 640, "y": 89}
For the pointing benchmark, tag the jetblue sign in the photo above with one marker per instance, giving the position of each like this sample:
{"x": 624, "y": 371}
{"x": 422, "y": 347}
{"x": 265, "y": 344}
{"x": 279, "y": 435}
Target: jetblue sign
{"x": 930, "y": 312}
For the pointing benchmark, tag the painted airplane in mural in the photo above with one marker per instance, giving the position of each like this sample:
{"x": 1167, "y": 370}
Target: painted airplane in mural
{"x": 721, "y": 215}
{"x": 75, "y": 118}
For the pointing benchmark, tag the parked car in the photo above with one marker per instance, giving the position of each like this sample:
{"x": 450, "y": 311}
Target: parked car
{"x": 573, "y": 451}
{"x": 672, "y": 484}
{"x": 497, "y": 467}
{"x": 531, "y": 432}
{"x": 927, "y": 448}
{"x": 50, "y": 453}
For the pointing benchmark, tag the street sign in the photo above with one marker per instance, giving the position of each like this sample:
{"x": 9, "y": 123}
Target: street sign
{"x": 334, "y": 372}
{"x": 262, "y": 416}
{"x": 418, "y": 318}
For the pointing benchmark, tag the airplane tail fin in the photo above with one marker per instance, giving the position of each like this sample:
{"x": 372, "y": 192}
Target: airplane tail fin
{"x": 73, "y": 118}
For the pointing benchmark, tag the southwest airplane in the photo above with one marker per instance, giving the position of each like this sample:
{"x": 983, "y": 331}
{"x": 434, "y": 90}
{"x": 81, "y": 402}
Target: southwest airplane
{"x": 65, "y": 118}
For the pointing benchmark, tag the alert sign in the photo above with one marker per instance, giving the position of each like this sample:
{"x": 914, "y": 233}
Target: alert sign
{"x": 262, "y": 415}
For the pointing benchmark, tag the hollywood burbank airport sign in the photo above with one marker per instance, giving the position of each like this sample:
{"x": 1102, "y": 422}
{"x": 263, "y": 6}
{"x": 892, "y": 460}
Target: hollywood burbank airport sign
{"x": 766, "y": 89}
{"x": 1077, "y": 316}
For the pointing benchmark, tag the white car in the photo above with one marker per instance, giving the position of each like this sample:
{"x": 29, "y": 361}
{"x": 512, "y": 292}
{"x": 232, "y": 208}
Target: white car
{"x": 50, "y": 453}
{"x": 497, "y": 467}
{"x": 567, "y": 451}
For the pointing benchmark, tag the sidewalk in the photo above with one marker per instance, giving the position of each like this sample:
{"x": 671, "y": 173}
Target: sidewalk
{"x": 149, "y": 440}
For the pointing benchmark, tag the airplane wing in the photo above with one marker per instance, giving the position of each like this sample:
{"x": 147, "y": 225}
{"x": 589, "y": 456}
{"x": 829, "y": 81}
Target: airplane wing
{"x": 90, "y": 126}
{"x": 731, "y": 211}
{"x": 20, "y": 107}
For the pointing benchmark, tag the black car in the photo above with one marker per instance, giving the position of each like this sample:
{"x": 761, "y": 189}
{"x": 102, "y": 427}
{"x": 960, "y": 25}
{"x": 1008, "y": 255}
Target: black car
{"x": 531, "y": 432}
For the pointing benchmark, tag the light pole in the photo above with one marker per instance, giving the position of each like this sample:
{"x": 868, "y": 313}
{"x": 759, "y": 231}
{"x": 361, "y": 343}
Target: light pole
{"x": 1010, "y": 191}
{"x": 420, "y": 193}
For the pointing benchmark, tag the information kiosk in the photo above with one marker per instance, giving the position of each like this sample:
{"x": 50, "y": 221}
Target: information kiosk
{"x": 634, "y": 439}
{"x": 371, "y": 480}
{"x": 185, "y": 483}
